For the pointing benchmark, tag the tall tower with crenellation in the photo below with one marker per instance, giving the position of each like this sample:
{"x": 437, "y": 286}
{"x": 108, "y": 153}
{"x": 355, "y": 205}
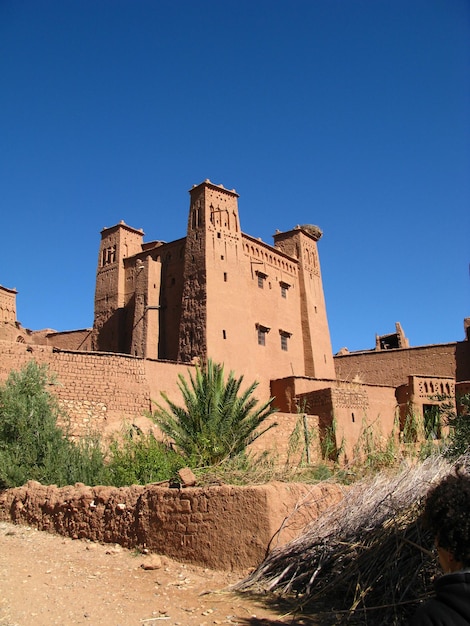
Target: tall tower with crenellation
{"x": 301, "y": 243}
{"x": 112, "y": 294}
{"x": 213, "y": 244}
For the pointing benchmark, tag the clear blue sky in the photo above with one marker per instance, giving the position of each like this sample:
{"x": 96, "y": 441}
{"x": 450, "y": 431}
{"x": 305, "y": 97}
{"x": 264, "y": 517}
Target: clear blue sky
{"x": 350, "y": 114}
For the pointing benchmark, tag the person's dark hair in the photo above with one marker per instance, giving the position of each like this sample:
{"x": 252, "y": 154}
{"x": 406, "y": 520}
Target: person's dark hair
{"x": 447, "y": 515}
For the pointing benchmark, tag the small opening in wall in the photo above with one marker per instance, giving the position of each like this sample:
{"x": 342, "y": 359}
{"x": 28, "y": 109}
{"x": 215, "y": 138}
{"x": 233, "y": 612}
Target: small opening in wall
{"x": 353, "y": 418}
{"x": 315, "y": 309}
{"x": 225, "y": 278}
{"x": 221, "y": 257}
{"x": 224, "y": 334}
{"x": 218, "y": 235}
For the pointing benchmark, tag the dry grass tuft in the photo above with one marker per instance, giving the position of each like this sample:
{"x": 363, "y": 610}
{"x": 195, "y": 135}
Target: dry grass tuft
{"x": 367, "y": 560}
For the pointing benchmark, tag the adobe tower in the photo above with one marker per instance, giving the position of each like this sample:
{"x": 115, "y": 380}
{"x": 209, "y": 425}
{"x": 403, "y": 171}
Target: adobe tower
{"x": 217, "y": 293}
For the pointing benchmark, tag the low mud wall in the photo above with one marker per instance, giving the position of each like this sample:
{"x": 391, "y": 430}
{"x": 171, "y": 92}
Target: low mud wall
{"x": 221, "y": 527}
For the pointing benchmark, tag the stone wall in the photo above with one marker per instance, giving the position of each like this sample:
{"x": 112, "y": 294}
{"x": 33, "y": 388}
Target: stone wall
{"x": 222, "y": 527}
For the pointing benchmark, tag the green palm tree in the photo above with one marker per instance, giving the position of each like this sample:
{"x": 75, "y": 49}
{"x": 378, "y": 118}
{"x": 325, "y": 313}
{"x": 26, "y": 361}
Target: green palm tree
{"x": 217, "y": 421}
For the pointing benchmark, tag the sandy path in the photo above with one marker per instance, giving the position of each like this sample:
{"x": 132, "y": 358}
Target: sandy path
{"x": 49, "y": 580}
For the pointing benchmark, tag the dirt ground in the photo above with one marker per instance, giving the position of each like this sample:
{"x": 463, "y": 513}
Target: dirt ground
{"x": 48, "y": 580}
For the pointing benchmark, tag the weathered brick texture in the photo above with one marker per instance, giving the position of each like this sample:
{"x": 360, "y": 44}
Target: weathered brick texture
{"x": 392, "y": 367}
{"x": 220, "y": 527}
{"x": 98, "y": 391}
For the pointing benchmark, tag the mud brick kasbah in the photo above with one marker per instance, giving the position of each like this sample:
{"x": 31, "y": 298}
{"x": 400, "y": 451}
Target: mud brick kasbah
{"x": 161, "y": 307}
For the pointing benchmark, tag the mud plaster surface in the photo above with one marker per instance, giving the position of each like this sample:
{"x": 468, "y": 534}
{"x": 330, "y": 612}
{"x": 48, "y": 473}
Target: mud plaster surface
{"x": 49, "y": 580}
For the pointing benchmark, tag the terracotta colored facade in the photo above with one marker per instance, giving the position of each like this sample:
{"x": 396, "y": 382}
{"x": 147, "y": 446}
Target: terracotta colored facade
{"x": 7, "y": 305}
{"x": 220, "y": 293}
{"x": 216, "y": 293}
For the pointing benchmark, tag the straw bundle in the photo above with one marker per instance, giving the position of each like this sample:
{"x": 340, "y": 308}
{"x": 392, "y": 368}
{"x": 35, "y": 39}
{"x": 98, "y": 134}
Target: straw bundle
{"x": 367, "y": 560}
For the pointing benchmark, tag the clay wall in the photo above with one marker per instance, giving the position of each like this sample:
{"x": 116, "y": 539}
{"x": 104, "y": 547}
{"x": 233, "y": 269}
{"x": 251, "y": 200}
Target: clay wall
{"x": 222, "y": 527}
{"x": 7, "y": 305}
{"x": 376, "y": 413}
{"x": 301, "y": 243}
{"x": 286, "y": 390}
{"x": 278, "y": 439}
{"x": 66, "y": 340}
{"x": 11, "y": 332}
{"x": 392, "y": 367}
{"x": 99, "y": 391}
{"x": 239, "y": 309}
{"x": 354, "y": 408}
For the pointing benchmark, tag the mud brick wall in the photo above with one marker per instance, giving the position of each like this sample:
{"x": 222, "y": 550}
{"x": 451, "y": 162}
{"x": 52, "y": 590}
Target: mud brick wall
{"x": 392, "y": 367}
{"x": 69, "y": 340}
{"x": 280, "y": 442}
{"x": 99, "y": 391}
{"x": 102, "y": 391}
{"x": 222, "y": 527}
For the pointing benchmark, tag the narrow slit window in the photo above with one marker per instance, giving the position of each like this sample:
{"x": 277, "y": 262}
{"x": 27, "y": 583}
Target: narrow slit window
{"x": 262, "y": 332}
{"x": 261, "y": 279}
{"x": 285, "y": 336}
{"x": 284, "y": 288}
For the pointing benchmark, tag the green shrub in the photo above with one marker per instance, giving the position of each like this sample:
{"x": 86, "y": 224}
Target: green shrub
{"x": 139, "y": 459}
{"x": 32, "y": 446}
{"x": 218, "y": 421}
{"x": 459, "y": 424}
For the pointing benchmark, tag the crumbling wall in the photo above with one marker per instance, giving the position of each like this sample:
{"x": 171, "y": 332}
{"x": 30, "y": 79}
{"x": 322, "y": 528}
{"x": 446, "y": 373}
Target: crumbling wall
{"x": 223, "y": 527}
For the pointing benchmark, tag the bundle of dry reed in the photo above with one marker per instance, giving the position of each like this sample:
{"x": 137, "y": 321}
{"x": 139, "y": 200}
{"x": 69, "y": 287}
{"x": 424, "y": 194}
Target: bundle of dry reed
{"x": 367, "y": 560}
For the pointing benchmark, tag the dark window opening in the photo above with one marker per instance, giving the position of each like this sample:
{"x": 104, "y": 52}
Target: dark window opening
{"x": 261, "y": 337}
{"x": 224, "y": 334}
{"x": 284, "y": 287}
{"x": 284, "y": 339}
{"x": 262, "y": 332}
{"x": 389, "y": 342}
{"x": 225, "y": 277}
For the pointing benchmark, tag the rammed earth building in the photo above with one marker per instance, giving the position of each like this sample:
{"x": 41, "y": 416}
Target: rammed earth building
{"x": 216, "y": 293}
